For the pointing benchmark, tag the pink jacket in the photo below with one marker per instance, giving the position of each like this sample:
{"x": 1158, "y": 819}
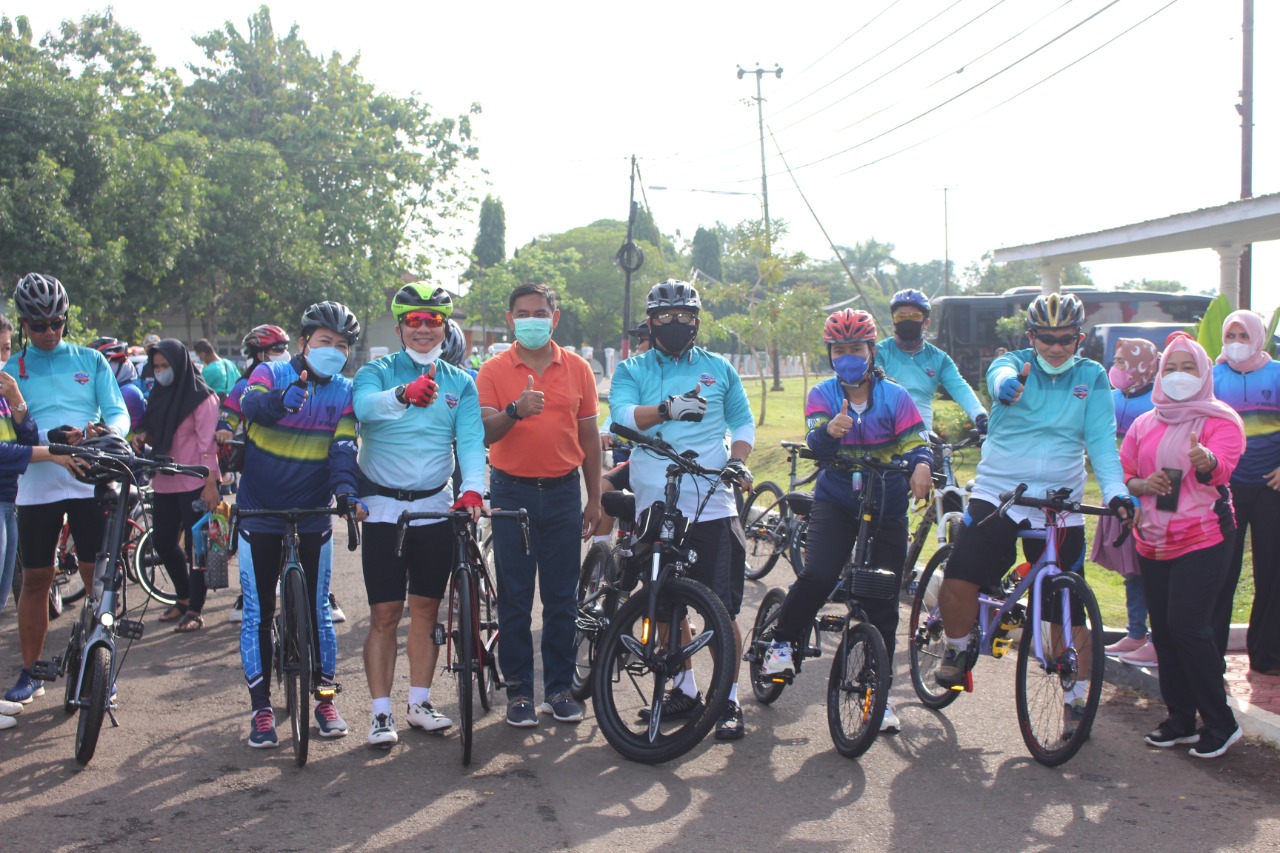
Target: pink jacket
{"x": 193, "y": 444}
{"x": 1196, "y": 524}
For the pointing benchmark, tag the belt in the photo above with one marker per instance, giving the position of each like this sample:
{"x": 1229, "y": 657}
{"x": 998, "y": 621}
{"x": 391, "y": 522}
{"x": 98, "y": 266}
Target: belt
{"x": 539, "y": 482}
{"x": 372, "y": 488}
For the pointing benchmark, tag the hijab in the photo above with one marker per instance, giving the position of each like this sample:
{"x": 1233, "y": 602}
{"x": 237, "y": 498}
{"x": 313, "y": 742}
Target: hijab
{"x": 1139, "y": 359}
{"x": 1252, "y": 324}
{"x": 169, "y": 405}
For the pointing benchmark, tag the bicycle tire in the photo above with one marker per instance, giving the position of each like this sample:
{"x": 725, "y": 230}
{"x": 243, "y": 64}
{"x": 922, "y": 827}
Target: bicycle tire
{"x": 596, "y": 569}
{"x": 487, "y": 678}
{"x": 1041, "y": 693}
{"x": 623, "y": 685}
{"x": 463, "y": 663}
{"x": 858, "y": 689}
{"x": 925, "y": 640}
{"x": 299, "y": 661}
{"x": 765, "y": 689}
{"x": 766, "y": 534}
{"x": 71, "y": 662}
{"x": 95, "y": 693}
{"x": 150, "y": 572}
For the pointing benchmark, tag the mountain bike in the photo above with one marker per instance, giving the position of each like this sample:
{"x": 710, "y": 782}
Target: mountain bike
{"x": 1050, "y": 614}
{"x": 861, "y": 670}
{"x": 946, "y": 509}
{"x": 293, "y": 635}
{"x": 471, "y": 639}
{"x": 664, "y": 628}
{"x": 90, "y": 663}
{"x": 602, "y": 586}
{"x": 774, "y": 523}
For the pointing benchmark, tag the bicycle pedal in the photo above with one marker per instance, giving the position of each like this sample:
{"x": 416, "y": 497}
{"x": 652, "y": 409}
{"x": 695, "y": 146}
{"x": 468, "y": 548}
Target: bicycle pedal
{"x": 47, "y": 670}
{"x": 130, "y": 629}
{"x": 832, "y": 624}
{"x": 813, "y": 652}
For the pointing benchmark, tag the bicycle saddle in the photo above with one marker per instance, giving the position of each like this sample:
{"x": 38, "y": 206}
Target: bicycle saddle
{"x": 800, "y": 502}
{"x": 619, "y": 504}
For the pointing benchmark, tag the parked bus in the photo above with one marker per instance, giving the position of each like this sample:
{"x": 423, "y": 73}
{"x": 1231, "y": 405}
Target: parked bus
{"x": 965, "y": 326}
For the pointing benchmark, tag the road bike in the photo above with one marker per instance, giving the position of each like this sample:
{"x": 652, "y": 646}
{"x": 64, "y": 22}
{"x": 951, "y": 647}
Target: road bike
{"x": 946, "y": 509}
{"x": 861, "y": 670}
{"x": 90, "y": 663}
{"x": 673, "y": 624}
{"x": 1049, "y": 614}
{"x": 602, "y": 586}
{"x": 774, "y": 523}
{"x": 293, "y": 634}
{"x": 471, "y": 638}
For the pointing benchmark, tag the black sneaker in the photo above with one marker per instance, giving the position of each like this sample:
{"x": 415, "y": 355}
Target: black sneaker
{"x": 730, "y": 726}
{"x": 677, "y": 704}
{"x": 1166, "y": 735}
{"x": 951, "y": 672}
{"x": 1211, "y": 745}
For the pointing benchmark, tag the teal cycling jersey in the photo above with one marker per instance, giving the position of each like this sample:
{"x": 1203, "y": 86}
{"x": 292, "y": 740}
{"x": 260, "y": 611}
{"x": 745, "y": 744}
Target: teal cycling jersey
{"x": 921, "y": 372}
{"x": 647, "y": 380}
{"x": 1041, "y": 439}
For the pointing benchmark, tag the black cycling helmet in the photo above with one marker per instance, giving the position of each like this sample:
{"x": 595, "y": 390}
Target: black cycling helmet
{"x": 1055, "y": 311}
{"x": 40, "y": 297}
{"x": 420, "y": 296}
{"x": 455, "y": 345}
{"x": 333, "y": 316}
{"x": 672, "y": 293}
{"x": 109, "y": 443}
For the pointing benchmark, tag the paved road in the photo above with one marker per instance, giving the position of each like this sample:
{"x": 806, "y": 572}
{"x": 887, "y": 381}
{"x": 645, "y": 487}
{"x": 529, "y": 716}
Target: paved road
{"x": 177, "y": 776}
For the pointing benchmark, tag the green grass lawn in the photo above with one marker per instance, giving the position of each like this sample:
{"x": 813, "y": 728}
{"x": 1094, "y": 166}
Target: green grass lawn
{"x": 784, "y": 421}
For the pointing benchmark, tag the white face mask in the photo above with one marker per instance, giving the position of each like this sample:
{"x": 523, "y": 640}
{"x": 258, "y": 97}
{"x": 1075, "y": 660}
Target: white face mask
{"x": 425, "y": 358}
{"x": 1236, "y": 351}
{"x": 1181, "y": 386}
{"x": 279, "y": 356}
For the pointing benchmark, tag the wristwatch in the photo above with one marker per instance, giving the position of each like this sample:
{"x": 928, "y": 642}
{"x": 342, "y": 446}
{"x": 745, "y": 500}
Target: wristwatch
{"x": 511, "y": 412}
{"x": 20, "y": 408}
{"x": 400, "y": 398}
{"x": 664, "y": 410}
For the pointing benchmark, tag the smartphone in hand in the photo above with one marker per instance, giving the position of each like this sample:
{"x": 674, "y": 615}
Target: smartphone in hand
{"x": 1169, "y": 502}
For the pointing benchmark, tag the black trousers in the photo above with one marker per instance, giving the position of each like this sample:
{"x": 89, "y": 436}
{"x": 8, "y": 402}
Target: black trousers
{"x": 1257, "y": 509}
{"x": 172, "y": 516}
{"x": 1180, "y": 593}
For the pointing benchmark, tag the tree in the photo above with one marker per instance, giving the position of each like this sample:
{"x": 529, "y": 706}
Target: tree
{"x": 491, "y": 242}
{"x": 987, "y": 277}
{"x": 706, "y": 253}
{"x": 1157, "y": 285}
{"x": 869, "y": 260}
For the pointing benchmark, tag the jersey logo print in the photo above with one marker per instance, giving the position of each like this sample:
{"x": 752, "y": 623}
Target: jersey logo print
{"x": 930, "y": 372}
{"x": 451, "y": 400}
{"x": 81, "y": 377}
{"x": 707, "y": 379}
{"x": 1080, "y": 391}
{"x": 332, "y": 412}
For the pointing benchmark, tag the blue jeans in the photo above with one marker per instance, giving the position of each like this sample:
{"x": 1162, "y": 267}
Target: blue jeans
{"x": 8, "y": 549}
{"x": 1135, "y": 600}
{"x": 555, "y": 522}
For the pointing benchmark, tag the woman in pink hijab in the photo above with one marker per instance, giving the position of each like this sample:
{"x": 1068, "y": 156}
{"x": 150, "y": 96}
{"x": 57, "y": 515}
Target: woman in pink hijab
{"x": 1178, "y": 459}
{"x": 1248, "y": 381}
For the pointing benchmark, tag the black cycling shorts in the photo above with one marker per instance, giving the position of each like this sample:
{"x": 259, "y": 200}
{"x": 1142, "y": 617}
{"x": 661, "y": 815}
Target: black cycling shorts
{"x": 722, "y": 559}
{"x": 983, "y": 555}
{"x": 619, "y": 476}
{"x": 40, "y": 525}
{"x": 426, "y": 564}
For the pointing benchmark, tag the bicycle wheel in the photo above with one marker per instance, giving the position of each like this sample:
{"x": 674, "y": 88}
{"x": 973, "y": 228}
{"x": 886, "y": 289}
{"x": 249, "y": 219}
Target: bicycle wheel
{"x": 630, "y": 679}
{"x": 766, "y": 521}
{"x": 596, "y": 604}
{"x": 1058, "y": 697}
{"x": 487, "y": 679}
{"x": 925, "y": 641}
{"x": 764, "y": 687}
{"x": 68, "y": 580}
{"x": 150, "y": 572}
{"x": 71, "y": 661}
{"x": 857, "y": 690}
{"x": 463, "y": 663}
{"x": 94, "y": 694}
{"x": 299, "y": 660}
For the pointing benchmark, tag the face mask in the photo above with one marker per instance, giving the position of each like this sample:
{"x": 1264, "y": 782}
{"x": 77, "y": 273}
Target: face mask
{"x": 851, "y": 369}
{"x": 424, "y": 358}
{"x": 326, "y": 361}
{"x": 908, "y": 330}
{"x": 279, "y": 356}
{"x": 1055, "y": 371}
{"x": 164, "y": 376}
{"x": 533, "y": 332}
{"x": 1237, "y": 351}
{"x": 1120, "y": 378}
{"x": 1181, "y": 386}
{"x": 674, "y": 338}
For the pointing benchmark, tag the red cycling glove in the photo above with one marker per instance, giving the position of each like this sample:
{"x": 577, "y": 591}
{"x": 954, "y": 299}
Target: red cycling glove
{"x": 467, "y": 500}
{"x": 422, "y": 391}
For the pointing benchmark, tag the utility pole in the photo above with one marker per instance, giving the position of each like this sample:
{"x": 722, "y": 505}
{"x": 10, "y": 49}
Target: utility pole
{"x": 1246, "y": 149}
{"x": 764, "y": 192}
{"x": 946, "y": 245}
{"x": 630, "y": 259}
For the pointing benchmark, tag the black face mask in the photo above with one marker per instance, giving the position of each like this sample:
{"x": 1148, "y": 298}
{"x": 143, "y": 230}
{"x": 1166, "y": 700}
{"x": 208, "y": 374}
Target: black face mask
{"x": 674, "y": 338}
{"x": 908, "y": 330}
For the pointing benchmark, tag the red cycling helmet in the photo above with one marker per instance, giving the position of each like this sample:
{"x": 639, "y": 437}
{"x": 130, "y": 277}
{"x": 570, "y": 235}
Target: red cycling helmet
{"x": 262, "y": 338}
{"x": 846, "y": 326}
{"x": 112, "y": 348}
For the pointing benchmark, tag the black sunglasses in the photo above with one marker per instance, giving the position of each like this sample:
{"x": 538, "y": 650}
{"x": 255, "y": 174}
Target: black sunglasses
{"x": 1063, "y": 341}
{"x": 44, "y": 327}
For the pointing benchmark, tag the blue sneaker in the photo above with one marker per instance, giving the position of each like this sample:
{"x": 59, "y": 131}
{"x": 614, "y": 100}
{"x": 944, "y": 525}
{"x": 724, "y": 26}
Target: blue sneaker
{"x": 27, "y": 688}
{"x": 262, "y": 729}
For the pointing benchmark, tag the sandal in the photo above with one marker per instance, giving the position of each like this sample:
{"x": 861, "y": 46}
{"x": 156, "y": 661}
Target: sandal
{"x": 190, "y": 622}
{"x": 174, "y": 613}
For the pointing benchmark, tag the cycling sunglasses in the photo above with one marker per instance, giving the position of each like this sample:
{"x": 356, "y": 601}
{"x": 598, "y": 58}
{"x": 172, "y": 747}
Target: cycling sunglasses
{"x": 44, "y": 327}
{"x": 908, "y": 316}
{"x": 1062, "y": 341}
{"x": 418, "y": 319}
{"x": 278, "y": 348}
{"x": 684, "y": 318}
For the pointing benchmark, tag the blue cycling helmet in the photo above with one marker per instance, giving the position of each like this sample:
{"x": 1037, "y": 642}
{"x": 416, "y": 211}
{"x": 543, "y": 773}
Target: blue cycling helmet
{"x": 910, "y": 296}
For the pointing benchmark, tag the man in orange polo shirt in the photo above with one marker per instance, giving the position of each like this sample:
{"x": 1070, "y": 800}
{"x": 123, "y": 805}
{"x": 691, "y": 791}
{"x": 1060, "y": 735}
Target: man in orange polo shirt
{"x": 539, "y": 408}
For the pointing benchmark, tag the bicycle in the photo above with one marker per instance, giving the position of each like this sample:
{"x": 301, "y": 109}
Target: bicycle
{"x": 602, "y": 586}
{"x": 861, "y": 670}
{"x": 657, "y": 634}
{"x": 777, "y": 530}
{"x": 293, "y": 636}
{"x": 89, "y": 663}
{"x": 946, "y": 509}
{"x": 1065, "y": 642}
{"x": 472, "y": 642}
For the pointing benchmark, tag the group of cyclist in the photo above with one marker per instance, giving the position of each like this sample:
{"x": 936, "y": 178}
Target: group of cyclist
{"x": 417, "y": 421}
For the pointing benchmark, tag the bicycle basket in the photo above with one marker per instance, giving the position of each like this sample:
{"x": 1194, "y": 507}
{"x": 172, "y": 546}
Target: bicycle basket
{"x": 870, "y": 585}
{"x": 215, "y": 568}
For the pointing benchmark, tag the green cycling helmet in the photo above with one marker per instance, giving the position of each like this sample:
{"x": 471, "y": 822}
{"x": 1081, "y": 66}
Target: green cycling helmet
{"x": 420, "y": 296}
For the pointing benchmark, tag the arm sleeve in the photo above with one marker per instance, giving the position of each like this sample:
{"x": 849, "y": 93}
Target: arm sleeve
{"x": 206, "y": 424}
{"x": 111, "y": 405}
{"x": 469, "y": 432}
{"x": 817, "y": 415}
{"x": 16, "y": 455}
{"x": 910, "y": 428}
{"x": 737, "y": 408}
{"x": 950, "y": 378}
{"x": 1001, "y": 369}
{"x": 373, "y": 402}
{"x": 1129, "y": 451}
{"x": 27, "y": 431}
{"x": 1226, "y": 441}
{"x": 1100, "y": 438}
{"x": 135, "y": 403}
{"x": 262, "y": 401}
{"x": 624, "y": 396}
{"x": 343, "y": 470}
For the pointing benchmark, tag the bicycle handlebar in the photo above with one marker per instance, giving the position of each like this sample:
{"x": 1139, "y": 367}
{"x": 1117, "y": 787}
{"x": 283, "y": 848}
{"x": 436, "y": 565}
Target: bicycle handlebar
{"x": 1058, "y": 501}
{"x": 865, "y": 462}
{"x": 657, "y": 445}
{"x": 126, "y": 464}
{"x": 402, "y": 523}
{"x": 353, "y": 532}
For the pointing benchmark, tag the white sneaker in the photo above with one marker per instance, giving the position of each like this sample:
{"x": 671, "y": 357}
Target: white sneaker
{"x": 7, "y": 722}
{"x": 382, "y": 730}
{"x": 10, "y": 709}
{"x": 890, "y": 723}
{"x": 237, "y": 610}
{"x": 777, "y": 660}
{"x": 335, "y": 612}
{"x": 423, "y": 716}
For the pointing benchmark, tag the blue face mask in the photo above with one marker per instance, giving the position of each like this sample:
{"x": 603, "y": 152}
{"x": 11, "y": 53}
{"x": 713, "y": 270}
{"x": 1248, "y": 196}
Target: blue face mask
{"x": 851, "y": 369}
{"x": 326, "y": 361}
{"x": 533, "y": 332}
{"x": 1055, "y": 371}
